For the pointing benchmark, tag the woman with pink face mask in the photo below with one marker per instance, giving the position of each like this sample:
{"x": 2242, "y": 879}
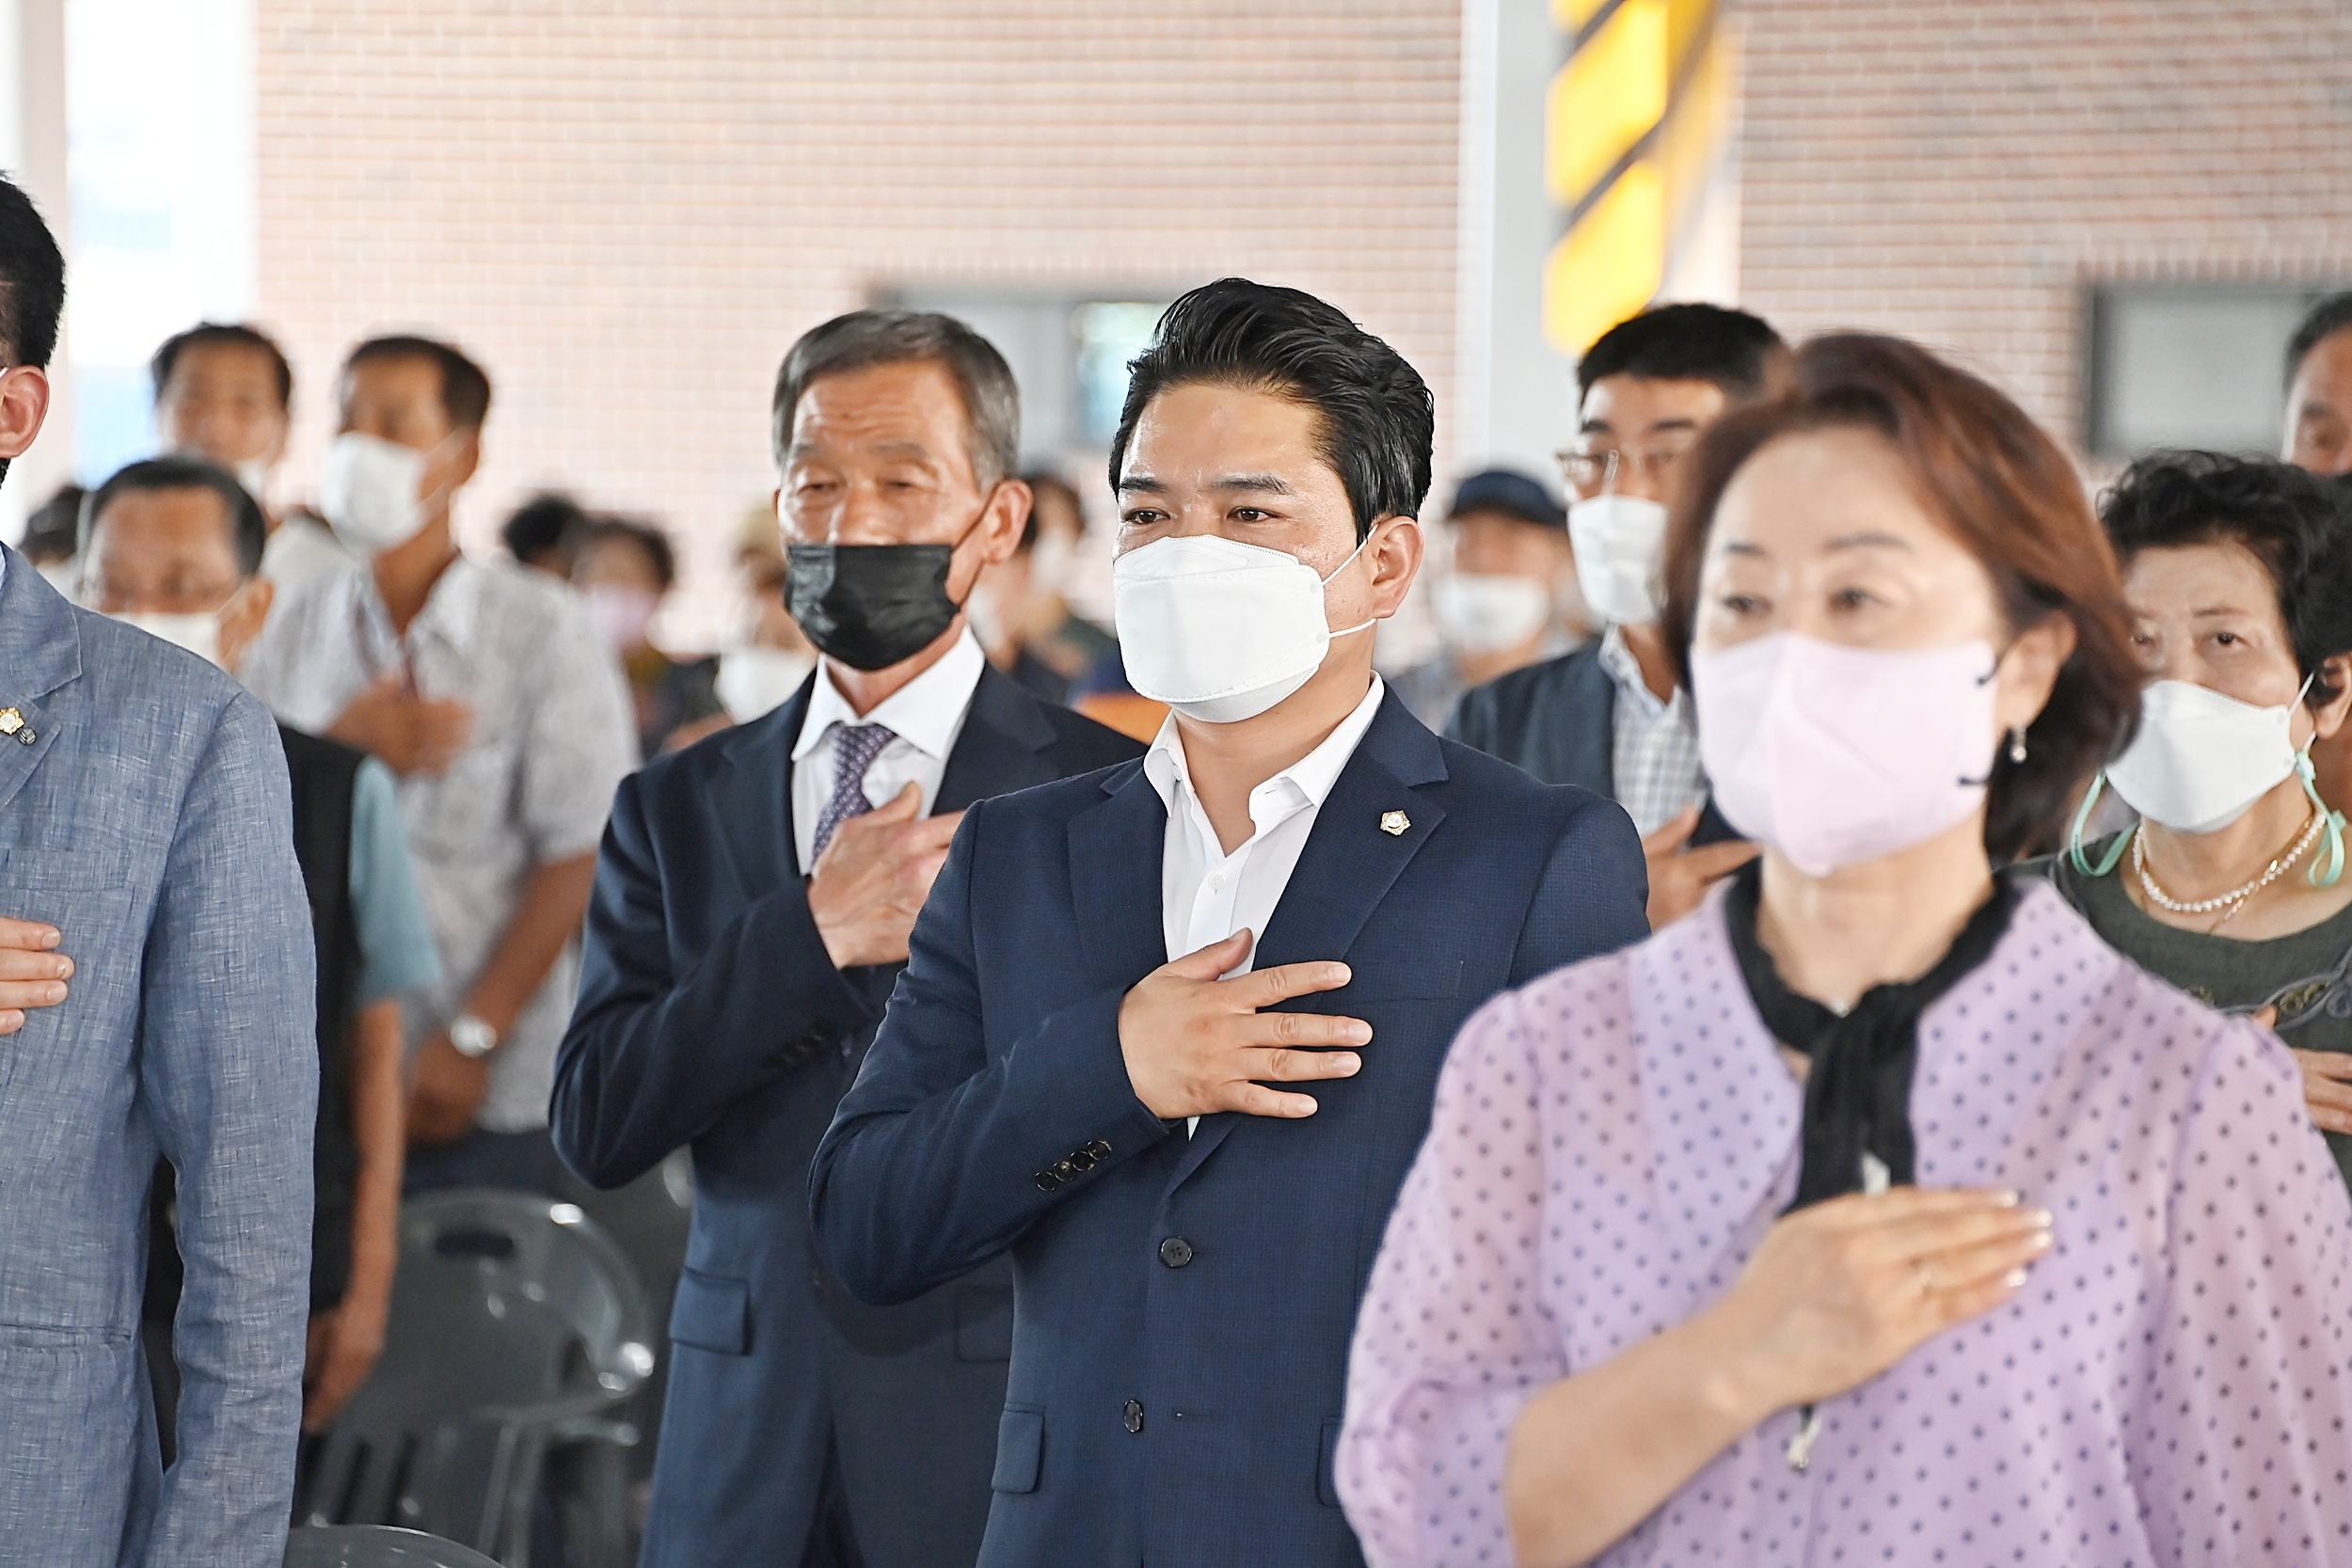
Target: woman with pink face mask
{"x": 1879, "y": 1209}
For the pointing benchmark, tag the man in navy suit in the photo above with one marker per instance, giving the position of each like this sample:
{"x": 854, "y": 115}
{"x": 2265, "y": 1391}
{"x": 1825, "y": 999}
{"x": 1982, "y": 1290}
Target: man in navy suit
{"x": 751, "y": 906}
{"x": 1611, "y": 715}
{"x": 1168, "y": 1034}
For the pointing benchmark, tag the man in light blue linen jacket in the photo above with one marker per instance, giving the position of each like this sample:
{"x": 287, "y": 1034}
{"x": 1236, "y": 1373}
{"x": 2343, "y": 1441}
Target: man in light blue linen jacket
{"x": 147, "y": 864}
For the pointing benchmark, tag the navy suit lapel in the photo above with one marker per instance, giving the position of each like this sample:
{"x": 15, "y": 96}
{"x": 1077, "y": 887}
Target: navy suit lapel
{"x": 41, "y": 650}
{"x": 752, "y": 796}
{"x": 1116, "y": 847}
{"x": 1584, "y": 724}
{"x": 1002, "y": 746}
{"x": 1348, "y": 866}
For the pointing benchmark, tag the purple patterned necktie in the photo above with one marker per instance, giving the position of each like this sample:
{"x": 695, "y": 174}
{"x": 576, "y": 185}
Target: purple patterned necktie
{"x": 854, "y": 749}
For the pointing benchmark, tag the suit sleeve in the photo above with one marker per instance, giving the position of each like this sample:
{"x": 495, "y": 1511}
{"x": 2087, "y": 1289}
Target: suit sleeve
{"x": 932, "y": 1165}
{"x": 1594, "y": 897}
{"x": 229, "y": 1067}
{"x": 656, "y": 1054}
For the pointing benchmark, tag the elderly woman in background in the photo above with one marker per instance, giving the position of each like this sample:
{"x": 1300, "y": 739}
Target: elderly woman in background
{"x": 2239, "y": 576}
{"x": 1880, "y": 1210}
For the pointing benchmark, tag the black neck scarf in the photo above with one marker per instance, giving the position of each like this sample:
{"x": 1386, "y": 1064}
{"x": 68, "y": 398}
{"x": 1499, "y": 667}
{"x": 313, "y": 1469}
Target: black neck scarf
{"x": 1857, "y": 1097}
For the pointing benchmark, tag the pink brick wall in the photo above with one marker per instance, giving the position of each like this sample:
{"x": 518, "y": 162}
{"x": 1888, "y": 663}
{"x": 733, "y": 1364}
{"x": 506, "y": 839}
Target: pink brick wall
{"x": 629, "y": 209}
{"x": 1959, "y": 170}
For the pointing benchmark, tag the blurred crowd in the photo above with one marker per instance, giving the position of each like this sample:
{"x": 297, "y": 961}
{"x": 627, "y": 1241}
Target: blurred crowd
{"x": 1845, "y": 943}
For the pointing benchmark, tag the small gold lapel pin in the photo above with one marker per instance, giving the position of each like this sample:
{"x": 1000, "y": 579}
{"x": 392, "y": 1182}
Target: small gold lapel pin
{"x": 10, "y": 721}
{"x": 1394, "y": 823}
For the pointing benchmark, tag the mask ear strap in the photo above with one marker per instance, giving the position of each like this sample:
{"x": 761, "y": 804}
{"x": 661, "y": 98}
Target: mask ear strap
{"x": 2082, "y": 819}
{"x": 2328, "y": 867}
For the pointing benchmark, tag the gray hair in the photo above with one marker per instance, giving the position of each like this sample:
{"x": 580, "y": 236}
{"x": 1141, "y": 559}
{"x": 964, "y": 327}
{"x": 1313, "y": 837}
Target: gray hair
{"x": 992, "y": 402}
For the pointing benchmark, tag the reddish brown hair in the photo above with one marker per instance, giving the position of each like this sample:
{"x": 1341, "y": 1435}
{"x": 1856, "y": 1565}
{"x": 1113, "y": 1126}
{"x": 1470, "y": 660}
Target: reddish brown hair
{"x": 1999, "y": 487}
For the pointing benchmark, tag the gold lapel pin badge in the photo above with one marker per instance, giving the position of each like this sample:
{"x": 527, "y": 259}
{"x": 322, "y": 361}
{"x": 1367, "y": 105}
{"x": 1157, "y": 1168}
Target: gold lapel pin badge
{"x": 1394, "y": 823}
{"x": 13, "y": 722}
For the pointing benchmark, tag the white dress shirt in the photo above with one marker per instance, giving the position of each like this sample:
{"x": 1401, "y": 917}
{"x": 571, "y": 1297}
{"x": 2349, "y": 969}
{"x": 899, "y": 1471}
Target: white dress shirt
{"x": 1207, "y": 894}
{"x": 924, "y": 715}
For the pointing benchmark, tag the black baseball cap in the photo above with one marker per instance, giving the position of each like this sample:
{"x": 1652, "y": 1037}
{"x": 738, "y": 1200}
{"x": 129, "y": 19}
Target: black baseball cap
{"x": 1510, "y": 493}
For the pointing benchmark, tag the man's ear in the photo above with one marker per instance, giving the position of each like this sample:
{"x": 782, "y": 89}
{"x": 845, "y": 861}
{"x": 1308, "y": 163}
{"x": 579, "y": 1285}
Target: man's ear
{"x": 466, "y": 461}
{"x": 24, "y": 403}
{"x": 1003, "y": 520}
{"x": 1396, "y": 546}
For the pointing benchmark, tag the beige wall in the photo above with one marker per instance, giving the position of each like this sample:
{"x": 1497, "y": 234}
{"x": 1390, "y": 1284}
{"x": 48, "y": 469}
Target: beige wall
{"x": 1961, "y": 170}
{"x": 627, "y": 210}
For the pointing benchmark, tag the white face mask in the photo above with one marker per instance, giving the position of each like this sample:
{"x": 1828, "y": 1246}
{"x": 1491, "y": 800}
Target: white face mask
{"x": 370, "y": 491}
{"x": 253, "y": 474}
{"x": 1218, "y": 631}
{"x": 1051, "y": 562}
{"x": 2200, "y": 759}
{"x": 1484, "y": 612}
{"x": 754, "y": 681}
{"x": 1619, "y": 541}
{"x": 199, "y": 634}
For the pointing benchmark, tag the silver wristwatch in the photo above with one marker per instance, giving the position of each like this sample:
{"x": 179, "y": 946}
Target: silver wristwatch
{"x": 472, "y": 1037}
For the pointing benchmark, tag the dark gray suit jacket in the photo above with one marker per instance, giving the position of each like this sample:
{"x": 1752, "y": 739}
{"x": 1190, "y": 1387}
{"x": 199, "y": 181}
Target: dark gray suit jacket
{"x": 1558, "y": 721}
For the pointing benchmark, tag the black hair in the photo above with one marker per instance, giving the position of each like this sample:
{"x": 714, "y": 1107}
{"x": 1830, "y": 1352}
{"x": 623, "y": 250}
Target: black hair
{"x": 2298, "y": 525}
{"x": 544, "y": 522}
{"x": 1375, "y": 421}
{"x": 646, "y": 537}
{"x": 32, "y": 284}
{"x": 52, "y": 529}
{"x": 992, "y": 400}
{"x": 1734, "y": 350}
{"x": 248, "y": 527}
{"x": 465, "y": 385}
{"x": 32, "y": 281}
{"x": 2323, "y": 320}
{"x": 222, "y": 335}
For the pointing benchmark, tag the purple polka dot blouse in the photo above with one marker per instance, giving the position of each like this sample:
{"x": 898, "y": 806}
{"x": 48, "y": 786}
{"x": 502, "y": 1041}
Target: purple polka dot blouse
{"x": 1609, "y": 1145}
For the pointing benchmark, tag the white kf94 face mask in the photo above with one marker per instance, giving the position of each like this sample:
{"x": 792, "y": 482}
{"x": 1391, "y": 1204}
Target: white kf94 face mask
{"x": 370, "y": 491}
{"x": 1481, "y": 613}
{"x": 2201, "y": 759}
{"x": 1619, "y": 542}
{"x": 1219, "y": 630}
{"x": 199, "y": 634}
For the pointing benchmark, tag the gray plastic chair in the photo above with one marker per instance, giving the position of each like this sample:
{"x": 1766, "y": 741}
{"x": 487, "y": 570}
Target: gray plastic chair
{"x": 517, "y": 1326}
{"x": 377, "y": 1547}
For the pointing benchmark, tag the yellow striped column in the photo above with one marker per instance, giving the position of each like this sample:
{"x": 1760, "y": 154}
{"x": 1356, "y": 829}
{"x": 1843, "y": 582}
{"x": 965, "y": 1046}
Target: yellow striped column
{"x": 1634, "y": 127}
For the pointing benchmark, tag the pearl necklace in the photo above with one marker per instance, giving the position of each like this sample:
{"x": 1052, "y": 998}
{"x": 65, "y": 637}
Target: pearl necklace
{"x": 2232, "y": 900}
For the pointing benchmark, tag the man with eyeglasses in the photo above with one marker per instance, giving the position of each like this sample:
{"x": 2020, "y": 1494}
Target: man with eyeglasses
{"x": 1609, "y": 716}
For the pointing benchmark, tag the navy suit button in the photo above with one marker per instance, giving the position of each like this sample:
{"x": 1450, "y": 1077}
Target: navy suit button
{"x": 1132, "y": 1414}
{"x": 1064, "y": 1169}
{"x": 1100, "y": 1149}
{"x": 1175, "y": 1252}
{"x": 1081, "y": 1159}
{"x": 1047, "y": 1181}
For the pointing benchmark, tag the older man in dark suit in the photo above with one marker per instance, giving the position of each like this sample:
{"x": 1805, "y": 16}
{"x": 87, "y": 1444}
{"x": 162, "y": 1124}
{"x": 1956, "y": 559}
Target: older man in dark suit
{"x": 751, "y": 909}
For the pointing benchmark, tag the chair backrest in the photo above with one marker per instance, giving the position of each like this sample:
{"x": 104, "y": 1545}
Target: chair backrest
{"x": 510, "y": 1313}
{"x": 376, "y": 1547}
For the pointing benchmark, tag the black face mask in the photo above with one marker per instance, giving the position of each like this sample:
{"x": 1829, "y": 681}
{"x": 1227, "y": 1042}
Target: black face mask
{"x": 871, "y": 605}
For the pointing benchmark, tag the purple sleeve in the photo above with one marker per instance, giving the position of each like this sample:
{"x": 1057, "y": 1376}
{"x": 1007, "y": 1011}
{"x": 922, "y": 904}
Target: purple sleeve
{"x": 1453, "y": 1339}
{"x": 2245, "y": 1426}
